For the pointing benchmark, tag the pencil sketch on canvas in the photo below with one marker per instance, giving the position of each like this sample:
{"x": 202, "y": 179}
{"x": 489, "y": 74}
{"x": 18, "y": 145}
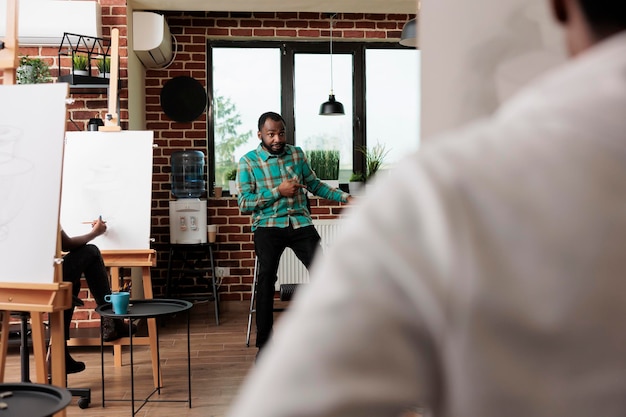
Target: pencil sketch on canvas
{"x": 109, "y": 174}
{"x": 31, "y": 155}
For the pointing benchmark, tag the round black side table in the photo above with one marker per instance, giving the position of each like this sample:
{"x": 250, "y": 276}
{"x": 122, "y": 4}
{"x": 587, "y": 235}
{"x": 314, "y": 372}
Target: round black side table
{"x": 147, "y": 309}
{"x": 32, "y": 400}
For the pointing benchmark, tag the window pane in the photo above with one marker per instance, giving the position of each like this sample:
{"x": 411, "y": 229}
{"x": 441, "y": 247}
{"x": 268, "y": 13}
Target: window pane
{"x": 246, "y": 83}
{"x": 312, "y": 86}
{"x": 392, "y": 101}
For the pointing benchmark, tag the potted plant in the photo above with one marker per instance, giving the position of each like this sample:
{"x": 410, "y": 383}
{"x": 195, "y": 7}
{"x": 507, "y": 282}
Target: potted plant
{"x": 104, "y": 66}
{"x": 80, "y": 63}
{"x": 325, "y": 163}
{"x": 356, "y": 183}
{"x": 231, "y": 177}
{"x": 374, "y": 158}
{"x": 32, "y": 71}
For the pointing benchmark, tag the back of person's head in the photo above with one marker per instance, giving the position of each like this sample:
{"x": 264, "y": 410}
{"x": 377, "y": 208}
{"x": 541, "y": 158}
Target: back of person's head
{"x": 270, "y": 115}
{"x": 606, "y": 17}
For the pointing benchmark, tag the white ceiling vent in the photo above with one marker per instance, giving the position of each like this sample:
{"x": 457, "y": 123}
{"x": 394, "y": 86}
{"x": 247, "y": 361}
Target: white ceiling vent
{"x": 43, "y": 22}
{"x": 152, "y": 40}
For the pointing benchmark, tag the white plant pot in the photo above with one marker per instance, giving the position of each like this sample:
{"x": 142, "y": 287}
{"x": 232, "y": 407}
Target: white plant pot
{"x": 106, "y": 75}
{"x": 232, "y": 187}
{"x": 356, "y": 187}
{"x": 81, "y": 72}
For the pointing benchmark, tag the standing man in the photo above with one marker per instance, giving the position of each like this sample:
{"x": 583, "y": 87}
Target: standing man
{"x": 493, "y": 284}
{"x": 272, "y": 182}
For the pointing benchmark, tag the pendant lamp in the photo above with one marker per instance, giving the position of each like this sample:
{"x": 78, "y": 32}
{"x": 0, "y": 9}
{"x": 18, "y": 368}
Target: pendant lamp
{"x": 331, "y": 107}
{"x": 409, "y": 34}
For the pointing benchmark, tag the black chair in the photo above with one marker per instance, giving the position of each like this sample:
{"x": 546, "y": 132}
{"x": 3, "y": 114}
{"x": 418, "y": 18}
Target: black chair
{"x": 286, "y": 292}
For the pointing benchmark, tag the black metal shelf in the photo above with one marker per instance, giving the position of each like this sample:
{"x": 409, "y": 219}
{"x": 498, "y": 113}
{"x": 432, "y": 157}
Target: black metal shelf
{"x": 74, "y": 45}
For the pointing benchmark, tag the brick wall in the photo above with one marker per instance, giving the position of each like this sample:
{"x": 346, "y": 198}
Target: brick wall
{"x": 235, "y": 248}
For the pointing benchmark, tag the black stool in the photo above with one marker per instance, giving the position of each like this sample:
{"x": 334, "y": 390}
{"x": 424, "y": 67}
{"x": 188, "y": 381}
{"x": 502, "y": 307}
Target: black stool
{"x": 286, "y": 292}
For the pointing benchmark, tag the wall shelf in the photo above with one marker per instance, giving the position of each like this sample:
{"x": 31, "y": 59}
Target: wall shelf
{"x": 93, "y": 49}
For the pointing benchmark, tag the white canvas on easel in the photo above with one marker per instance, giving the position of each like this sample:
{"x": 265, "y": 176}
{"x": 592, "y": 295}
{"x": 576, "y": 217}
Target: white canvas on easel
{"x": 32, "y": 127}
{"x": 109, "y": 174}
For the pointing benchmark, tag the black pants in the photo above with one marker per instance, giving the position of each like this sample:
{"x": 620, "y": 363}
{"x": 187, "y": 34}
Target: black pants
{"x": 85, "y": 260}
{"x": 269, "y": 245}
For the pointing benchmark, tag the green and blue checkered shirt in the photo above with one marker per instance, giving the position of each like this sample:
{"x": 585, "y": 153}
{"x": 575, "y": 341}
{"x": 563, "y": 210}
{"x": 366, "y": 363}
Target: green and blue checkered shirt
{"x": 260, "y": 173}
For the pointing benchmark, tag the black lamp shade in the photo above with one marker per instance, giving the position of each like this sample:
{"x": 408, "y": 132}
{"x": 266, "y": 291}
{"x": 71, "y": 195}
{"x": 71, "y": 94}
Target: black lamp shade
{"x": 331, "y": 107}
{"x": 409, "y": 34}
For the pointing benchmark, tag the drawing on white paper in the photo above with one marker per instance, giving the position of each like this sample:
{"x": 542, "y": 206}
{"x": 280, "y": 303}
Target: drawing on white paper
{"x": 108, "y": 174}
{"x": 16, "y": 176}
{"x": 32, "y": 127}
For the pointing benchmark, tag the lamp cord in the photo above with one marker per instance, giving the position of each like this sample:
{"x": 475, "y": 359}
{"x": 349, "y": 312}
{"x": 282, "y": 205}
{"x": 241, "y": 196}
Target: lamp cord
{"x": 331, "y": 54}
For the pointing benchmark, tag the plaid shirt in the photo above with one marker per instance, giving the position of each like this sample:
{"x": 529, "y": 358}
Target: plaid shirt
{"x": 260, "y": 173}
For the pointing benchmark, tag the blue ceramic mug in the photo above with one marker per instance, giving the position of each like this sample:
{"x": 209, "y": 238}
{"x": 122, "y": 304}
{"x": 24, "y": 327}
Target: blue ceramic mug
{"x": 119, "y": 300}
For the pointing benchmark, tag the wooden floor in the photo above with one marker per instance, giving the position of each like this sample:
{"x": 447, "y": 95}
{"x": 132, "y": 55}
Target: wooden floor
{"x": 220, "y": 361}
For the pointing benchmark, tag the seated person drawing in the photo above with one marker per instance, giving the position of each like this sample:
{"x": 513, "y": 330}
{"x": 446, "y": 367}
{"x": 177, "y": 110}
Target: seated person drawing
{"x": 85, "y": 259}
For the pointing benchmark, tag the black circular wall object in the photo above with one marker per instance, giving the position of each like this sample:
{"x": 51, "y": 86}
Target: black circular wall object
{"x": 183, "y": 99}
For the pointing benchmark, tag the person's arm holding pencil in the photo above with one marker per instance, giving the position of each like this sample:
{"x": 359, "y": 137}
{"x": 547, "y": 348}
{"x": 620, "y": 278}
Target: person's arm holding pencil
{"x": 98, "y": 227}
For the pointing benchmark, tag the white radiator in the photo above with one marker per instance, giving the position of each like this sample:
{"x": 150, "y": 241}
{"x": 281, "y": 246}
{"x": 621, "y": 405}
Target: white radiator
{"x": 290, "y": 269}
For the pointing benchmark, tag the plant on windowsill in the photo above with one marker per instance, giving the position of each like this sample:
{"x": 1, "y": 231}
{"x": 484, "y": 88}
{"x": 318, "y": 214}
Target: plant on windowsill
{"x": 32, "y": 71}
{"x": 104, "y": 66}
{"x": 80, "y": 64}
{"x": 374, "y": 158}
{"x": 325, "y": 163}
{"x": 231, "y": 177}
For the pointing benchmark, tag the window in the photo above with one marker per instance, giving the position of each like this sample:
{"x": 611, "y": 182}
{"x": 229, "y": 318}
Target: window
{"x": 376, "y": 82}
{"x": 392, "y": 102}
{"x": 246, "y": 83}
{"x": 311, "y": 89}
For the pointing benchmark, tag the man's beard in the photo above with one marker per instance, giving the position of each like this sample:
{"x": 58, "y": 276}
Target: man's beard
{"x": 277, "y": 150}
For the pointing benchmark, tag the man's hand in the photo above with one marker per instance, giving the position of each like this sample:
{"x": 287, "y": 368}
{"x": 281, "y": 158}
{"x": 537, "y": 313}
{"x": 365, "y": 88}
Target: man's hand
{"x": 290, "y": 188}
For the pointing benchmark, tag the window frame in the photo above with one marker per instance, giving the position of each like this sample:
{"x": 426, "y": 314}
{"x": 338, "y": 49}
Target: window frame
{"x": 287, "y": 66}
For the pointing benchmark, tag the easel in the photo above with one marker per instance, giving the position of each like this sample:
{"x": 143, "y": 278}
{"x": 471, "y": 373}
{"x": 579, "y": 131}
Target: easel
{"x": 116, "y": 259}
{"x": 112, "y": 117}
{"x": 8, "y": 55}
{"x": 34, "y": 298}
{"x": 38, "y": 299}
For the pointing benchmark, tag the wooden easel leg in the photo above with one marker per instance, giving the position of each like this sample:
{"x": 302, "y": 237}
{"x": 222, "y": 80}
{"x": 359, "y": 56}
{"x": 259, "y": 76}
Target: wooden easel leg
{"x": 4, "y": 340}
{"x": 39, "y": 346}
{"x": 115, "y": 286}
{"x": 57, "y": 349}
{"x": 152, "y": 329}
{"x": 57, "y": 353}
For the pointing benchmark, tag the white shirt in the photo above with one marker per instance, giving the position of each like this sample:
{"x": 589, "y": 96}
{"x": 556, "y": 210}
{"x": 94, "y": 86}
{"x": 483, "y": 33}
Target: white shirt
{"x": 485, "y": 276}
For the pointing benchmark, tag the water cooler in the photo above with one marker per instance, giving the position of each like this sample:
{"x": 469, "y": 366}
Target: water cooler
{"x": 188, "y": 214}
